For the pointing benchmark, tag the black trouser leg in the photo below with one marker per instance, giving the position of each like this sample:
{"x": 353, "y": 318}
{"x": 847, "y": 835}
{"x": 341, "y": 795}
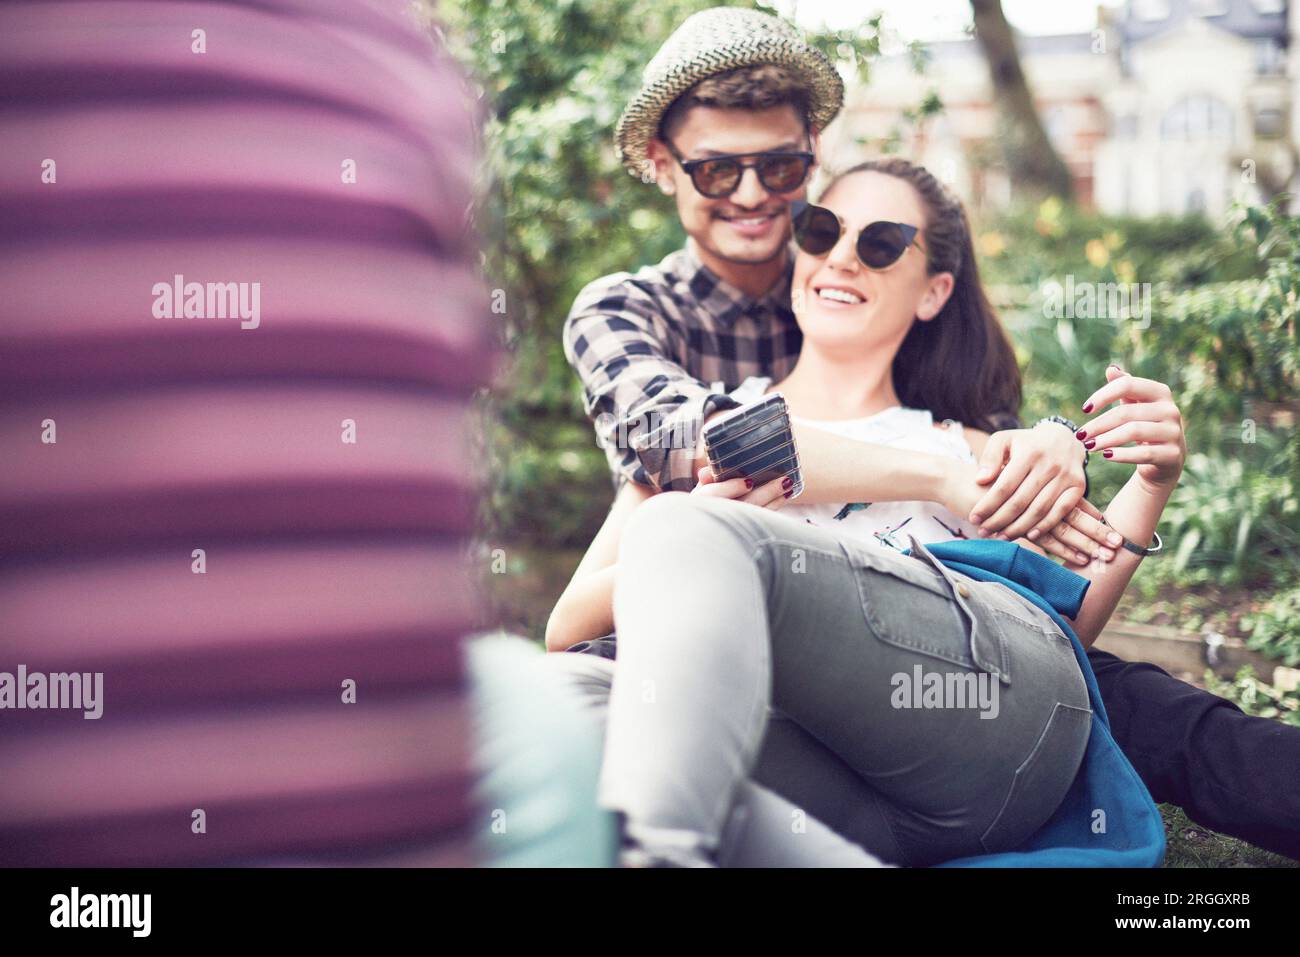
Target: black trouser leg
{"x": 1229, "y": 771}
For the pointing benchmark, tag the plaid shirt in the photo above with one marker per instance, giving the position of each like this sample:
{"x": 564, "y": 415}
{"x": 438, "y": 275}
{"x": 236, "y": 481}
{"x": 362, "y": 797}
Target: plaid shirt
{"x": 645, "y": 345}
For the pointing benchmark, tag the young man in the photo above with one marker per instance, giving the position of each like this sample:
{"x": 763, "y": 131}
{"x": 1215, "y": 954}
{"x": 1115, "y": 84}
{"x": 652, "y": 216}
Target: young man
{"x": 727, "y": 121}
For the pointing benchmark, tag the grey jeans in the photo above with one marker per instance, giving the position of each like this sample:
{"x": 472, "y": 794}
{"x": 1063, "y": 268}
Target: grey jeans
{"x": 923, "y": 714}
{"x": 763, "y": 828}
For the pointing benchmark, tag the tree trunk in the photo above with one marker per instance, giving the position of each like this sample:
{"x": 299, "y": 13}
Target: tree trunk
{"x": 1032, "y": 162}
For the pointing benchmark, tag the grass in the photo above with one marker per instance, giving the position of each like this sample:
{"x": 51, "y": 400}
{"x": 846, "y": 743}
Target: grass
{"x": 1190, "y": 845}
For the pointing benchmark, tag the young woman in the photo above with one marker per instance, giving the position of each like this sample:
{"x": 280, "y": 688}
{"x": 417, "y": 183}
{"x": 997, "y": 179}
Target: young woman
{"x": 726, "y": 615}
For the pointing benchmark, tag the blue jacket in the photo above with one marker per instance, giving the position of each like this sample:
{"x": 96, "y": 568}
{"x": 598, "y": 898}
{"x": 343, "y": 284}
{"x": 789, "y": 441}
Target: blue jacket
{"x": 1128, "y": 831}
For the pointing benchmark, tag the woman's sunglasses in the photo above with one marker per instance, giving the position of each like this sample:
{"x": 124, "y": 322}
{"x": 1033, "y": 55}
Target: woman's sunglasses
{"x": 880, "y": 244}
{"x": 720, "y": 176}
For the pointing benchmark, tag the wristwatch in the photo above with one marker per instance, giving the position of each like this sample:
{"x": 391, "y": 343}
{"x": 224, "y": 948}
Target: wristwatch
{"x": 1062, "y": 420}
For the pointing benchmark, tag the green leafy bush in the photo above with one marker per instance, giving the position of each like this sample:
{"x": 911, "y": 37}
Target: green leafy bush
{"x": 1275, "y": 629}
{"x": 1256, "y": 697}
{"x": 1228, "y": 350}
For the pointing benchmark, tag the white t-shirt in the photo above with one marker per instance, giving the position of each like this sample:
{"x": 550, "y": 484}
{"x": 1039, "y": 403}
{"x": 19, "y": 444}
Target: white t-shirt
{"x": 886, "y": 524}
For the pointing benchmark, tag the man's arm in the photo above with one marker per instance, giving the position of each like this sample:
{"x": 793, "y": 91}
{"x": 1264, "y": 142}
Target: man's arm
{"x": 651, "y": 412}
{"x": 644, "y": 404}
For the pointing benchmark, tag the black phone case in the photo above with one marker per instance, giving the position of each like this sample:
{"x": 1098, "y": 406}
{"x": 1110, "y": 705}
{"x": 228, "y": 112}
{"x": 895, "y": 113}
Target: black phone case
{"x": 755, "y": 442}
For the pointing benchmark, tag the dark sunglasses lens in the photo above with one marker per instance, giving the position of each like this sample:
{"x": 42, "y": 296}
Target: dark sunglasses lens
{"x": 880, "y": 245}
{"x": 716, "y": 178}
{"x": 816, "y": 230}
{"x": 782, "y": 174}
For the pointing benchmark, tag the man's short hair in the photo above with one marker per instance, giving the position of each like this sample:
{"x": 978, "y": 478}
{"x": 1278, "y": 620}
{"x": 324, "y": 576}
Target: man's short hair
{"x": 759, "y": 86}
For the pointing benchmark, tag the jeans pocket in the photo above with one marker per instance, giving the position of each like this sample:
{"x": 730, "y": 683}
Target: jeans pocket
{"x": 910, "y": 605}
{"x": 1042, "y": 780}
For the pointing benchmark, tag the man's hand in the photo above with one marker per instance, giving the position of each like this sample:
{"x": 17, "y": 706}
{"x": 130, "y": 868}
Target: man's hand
{"x": 1039, "y": 480}
{"x": 1076, "y": 539}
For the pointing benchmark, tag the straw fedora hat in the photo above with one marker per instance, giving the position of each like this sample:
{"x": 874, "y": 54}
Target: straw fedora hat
{"x": 712, "y": 42}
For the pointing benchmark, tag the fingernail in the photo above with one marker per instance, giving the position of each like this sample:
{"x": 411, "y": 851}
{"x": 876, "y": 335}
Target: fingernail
{"x": 1106, "y": 453}
{"x": 1033, "y": 535}
{"x": 1107, "y": 554}
{"x": 1090, "y": 443}
{"x": 981, "y": 533}
{"x": 789, "y": 493}
{"x": 1081, "y": 434}
{"x": 976, "y": 518}
{"x": 1087, "y": 407}
{"x": 1081, "y": 558}
{"x": 749, "y": 483}
{"x": 983, "y": 473}
{"x": 1115, "y": 539}
{"x": 787, "y": 482}
{"x": 1115, "y": 365}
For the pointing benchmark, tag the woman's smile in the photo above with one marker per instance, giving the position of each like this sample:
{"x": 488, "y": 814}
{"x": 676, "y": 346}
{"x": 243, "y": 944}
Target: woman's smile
{"x": 838, "y": 296}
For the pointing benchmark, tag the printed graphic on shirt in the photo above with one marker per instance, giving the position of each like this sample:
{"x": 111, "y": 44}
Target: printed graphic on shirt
{"x": 954, "y": 532}
{"x": 885, "y": 536}
{"x": 844, "y": 513}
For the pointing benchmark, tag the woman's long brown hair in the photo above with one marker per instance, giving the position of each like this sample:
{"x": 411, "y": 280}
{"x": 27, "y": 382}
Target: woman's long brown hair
{"x": 960, "y": 364}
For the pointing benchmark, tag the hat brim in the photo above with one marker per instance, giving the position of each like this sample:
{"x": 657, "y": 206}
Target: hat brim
{"x": 640, "y": 121}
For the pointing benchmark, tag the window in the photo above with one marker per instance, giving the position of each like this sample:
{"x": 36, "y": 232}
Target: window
{"x": 1151, "y": 10}
{"x": 1268, "y": 57}
{"x": 1269, "y": 122}
{"x": 1197, "y": 118}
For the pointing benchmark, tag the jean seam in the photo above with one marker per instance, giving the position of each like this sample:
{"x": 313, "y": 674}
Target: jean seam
{"x": 759, "y": 715}
{"x": 1030, "y": 758}
{"x": 888, "y": 812}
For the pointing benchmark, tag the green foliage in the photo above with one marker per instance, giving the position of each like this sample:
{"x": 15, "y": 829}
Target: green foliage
{"x": 1051, "y": 239}
{"x": 1255, "y": 697}
{"x": 1222, "y": 335}
{"x": 1275, "y": 629}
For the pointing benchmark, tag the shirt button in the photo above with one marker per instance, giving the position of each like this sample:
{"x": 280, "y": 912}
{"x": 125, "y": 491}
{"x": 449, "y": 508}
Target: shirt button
{"x": 963, "y": 590}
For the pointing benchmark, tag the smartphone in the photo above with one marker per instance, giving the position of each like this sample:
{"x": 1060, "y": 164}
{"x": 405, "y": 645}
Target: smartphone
{"x": 754, "y": 442}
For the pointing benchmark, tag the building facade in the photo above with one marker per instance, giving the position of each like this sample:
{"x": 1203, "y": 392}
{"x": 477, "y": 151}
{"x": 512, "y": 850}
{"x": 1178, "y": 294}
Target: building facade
{"x": 1167, "y": 106}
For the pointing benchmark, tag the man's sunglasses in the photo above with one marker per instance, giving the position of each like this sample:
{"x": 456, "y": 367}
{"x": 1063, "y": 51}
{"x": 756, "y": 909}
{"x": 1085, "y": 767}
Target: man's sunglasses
{"x": 720, "y": 176}
{"x": 880, "y": 244}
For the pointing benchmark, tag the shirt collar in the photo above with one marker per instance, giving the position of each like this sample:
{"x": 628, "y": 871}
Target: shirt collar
{"x": 724, "y": 302}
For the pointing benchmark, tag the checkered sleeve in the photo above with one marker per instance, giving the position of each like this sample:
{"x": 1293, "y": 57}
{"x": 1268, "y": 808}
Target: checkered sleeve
{"x": 647, "y": 409}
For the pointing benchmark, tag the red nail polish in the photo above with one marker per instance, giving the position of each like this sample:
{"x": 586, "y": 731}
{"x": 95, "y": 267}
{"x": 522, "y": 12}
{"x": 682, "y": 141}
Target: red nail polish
{"x": 1106, "y": 453}
{"x": 1087, "y": 407}
{"x": 1090, "y": 443}
{"x": 788, "y": 494}
{"x": 1081, "y": 434}
{"x": 787, "y": 482}
{"x": 749, "y": 483}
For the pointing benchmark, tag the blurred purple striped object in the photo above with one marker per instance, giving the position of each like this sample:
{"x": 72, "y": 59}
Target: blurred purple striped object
{"x": 317, "y": 156}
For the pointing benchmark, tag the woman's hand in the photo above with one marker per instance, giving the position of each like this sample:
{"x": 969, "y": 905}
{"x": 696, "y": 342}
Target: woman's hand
{"x": 1039, "y": 481}
{"x": 769, "y": 495}
{"x": 1146, "y": 428}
